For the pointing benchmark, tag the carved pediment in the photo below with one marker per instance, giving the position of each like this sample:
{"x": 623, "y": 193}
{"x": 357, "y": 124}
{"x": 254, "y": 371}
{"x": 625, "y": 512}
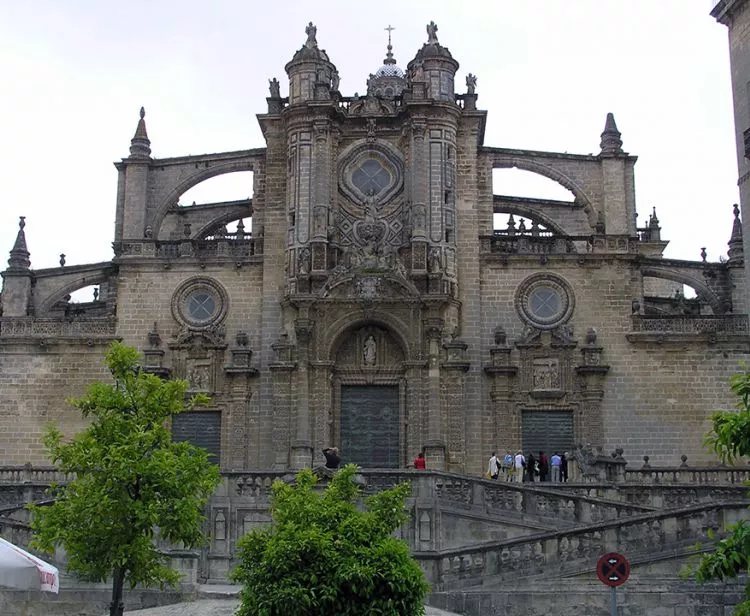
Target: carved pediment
{"x": 370, "y": 286}
{"x": 212, "y": 337}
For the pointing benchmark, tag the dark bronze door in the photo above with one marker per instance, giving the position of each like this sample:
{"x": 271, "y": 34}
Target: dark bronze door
{"x": 369, "y": 426}
{"x": 547, "y": 431}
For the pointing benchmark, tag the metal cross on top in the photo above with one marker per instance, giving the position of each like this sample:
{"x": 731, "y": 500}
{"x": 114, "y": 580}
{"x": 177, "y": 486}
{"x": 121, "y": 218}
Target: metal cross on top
{"x": 390, "y": 29}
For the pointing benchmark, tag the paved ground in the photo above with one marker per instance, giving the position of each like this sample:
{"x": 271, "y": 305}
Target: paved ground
{"x": 219, "y": 607}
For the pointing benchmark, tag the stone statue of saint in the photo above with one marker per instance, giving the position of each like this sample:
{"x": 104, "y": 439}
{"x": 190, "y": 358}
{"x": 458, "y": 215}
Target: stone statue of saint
{"x": 435, "y": 261}
{"x": 371, "y": 208}
{"x": 274, "y": 87}
{"x": 471, "y": 83}
{"x": 369, "y": 351}
{"x": 311, "y": 32}
{"x": 335, "y": 79}
{"x": 432, "y": 33}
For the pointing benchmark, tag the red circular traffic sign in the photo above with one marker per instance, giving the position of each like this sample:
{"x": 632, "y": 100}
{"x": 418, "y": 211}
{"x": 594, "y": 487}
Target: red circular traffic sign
{"x": 613, "y": 569}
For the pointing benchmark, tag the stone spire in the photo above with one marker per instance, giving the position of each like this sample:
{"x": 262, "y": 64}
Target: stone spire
{"x": 654, "y": 228}
{"x": 736, "y": 253}
{"x": 140, "y": 146}
{"x": 19, "y": 254}
{"x": 611, "y": 143}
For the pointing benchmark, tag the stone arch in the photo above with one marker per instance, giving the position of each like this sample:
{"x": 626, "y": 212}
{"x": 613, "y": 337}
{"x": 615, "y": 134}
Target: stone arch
{"x": 340, "y": 330}
{"x": 552, "y": 174}
{"x": 704, "y": 291}
{"x": 79, "y": 283}
{"x": 526, "y": 211}
{"x": 224, "y": 219}
{"x": 201, "y": 175}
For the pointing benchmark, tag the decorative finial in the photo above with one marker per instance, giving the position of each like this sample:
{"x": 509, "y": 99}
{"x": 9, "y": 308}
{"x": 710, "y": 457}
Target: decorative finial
{"x": 19, "y": 254}
{"x": 432, "y": 33}
{"x": 736, "y": 251}
{"x": 140, "y": 144}
{"x": 62, "y": 259}
{"x": 704, "y": 254}
{"x": 611, "y": 142}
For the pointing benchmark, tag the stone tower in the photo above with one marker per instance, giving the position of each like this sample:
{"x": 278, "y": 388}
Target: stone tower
{"x": 735, "y": 14}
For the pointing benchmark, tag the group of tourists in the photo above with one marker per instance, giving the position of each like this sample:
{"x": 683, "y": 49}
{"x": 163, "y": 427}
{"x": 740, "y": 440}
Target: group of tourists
{"x": 519, "y": 468}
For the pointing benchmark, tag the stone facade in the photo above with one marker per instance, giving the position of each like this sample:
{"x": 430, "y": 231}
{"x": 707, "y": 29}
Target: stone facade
{"x": 373, "y": 305}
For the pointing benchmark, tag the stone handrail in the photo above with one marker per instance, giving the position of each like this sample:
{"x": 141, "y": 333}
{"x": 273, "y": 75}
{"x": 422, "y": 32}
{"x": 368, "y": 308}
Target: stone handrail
{"x": 689, "y": 475}
{"x": 575, "y": 550}
{"x": 42, "y": 475}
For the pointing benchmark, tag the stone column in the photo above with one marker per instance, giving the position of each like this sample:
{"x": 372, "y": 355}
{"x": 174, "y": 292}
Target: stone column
{"x": 435, "y": 444}
{"x": 301, "y": 451}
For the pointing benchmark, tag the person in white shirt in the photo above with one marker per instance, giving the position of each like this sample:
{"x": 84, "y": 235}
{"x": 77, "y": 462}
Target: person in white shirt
{"x": 555, "y": 462}
{"x": 520, "y": 463}
{"x": 494, "y": 467}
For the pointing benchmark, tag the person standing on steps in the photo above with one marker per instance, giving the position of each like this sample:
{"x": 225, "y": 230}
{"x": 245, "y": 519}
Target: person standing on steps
{"x": 564, "y": 467}
{"x": 555, "y": 462}
{"x": 519, "y": 465}
{"x": 543, "y": 467}
{"x": 493, "y": 469}
{"x": 508, "y": 466}
{"x": 332, "y": 457}
{"x": 419, "y": 462}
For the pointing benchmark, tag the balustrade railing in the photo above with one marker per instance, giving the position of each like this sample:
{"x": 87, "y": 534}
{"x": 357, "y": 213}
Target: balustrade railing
{"x": 235, "y": 246}
{"x": 704, "y": 324}
{"x": 571, "y": 550}
{"x": 57, "y": 327}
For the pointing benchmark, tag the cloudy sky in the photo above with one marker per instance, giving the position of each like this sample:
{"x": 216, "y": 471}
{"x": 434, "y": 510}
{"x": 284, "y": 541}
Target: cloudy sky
{"x": 74, "y": 74}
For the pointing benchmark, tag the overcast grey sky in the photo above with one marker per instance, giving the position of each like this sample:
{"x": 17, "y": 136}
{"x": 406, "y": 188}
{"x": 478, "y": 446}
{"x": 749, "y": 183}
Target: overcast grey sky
{"x": 75, "y": 72}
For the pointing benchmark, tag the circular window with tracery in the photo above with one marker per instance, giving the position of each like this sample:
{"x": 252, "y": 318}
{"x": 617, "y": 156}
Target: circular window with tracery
{"x": 370, "y": 171}
{"x": 199, "y": 302}
{"x": 545, "y": 301}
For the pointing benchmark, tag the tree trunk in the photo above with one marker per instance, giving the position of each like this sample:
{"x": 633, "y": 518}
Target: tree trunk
{"x": 116, "y": 608}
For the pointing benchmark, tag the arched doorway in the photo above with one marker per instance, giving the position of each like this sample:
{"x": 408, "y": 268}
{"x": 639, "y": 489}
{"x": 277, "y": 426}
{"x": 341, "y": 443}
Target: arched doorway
{"x": 369, "y": 393}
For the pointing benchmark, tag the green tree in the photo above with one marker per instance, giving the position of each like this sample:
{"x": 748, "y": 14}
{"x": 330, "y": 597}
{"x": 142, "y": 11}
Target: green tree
{"x": 131, "y": 481}
{"x": 322, "y": 555}
{"x": 730, "y": 439}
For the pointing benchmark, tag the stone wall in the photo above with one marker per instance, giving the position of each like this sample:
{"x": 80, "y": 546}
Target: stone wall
{"x": 36, "y": 380}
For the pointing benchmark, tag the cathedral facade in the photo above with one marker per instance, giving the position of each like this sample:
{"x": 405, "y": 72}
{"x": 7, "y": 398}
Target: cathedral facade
{"x": 374, "y": 304}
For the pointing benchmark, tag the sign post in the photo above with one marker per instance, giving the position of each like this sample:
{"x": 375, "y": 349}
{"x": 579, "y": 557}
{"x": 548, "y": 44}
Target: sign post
{"x": 613, "y": 570}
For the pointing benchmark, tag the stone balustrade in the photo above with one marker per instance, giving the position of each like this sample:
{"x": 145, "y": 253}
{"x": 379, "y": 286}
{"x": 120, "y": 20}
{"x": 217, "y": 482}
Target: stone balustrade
{"x": 27, "y": 473}
{"x": 684, "y": 474}
{"x": 54, "y": 328}
{"x": 572, "y": 551}
{"x": 703, "y": 324}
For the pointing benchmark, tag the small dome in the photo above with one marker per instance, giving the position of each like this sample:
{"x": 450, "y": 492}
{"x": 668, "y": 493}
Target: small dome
{"x": 389, "y": 70}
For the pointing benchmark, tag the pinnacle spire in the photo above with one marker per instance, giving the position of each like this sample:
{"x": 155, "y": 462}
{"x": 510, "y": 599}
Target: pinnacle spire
{"x": 19, "y": 254}
{"x": 736, "y": 252}
{"x": 611, "y": 142}
{"x": 389, "y": 59}
{"x": 140, "y": 146}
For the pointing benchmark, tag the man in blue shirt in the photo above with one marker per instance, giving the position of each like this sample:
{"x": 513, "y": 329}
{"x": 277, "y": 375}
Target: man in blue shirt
{"x": 555, "y": 462}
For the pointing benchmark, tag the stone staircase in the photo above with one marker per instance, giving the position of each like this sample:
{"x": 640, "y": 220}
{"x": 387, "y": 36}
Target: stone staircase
{"x": 477, "y": 540}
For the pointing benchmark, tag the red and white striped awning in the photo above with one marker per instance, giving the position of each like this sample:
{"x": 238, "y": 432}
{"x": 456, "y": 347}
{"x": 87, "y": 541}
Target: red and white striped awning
{"x": 19, "y": 569}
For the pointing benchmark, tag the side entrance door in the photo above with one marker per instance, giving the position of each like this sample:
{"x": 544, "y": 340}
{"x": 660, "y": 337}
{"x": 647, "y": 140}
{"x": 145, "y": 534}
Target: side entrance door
{"x": 370, "y": 425}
